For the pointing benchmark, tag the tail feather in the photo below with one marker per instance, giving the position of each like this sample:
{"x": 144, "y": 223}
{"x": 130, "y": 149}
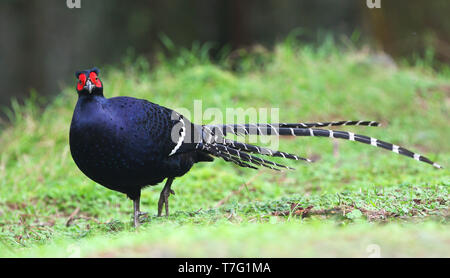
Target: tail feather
{"x": 243, "y": 129}
{"x": 219, "y": 132}
{"x": 227, "y": 157}
{"x": 250, "y": 158}
{"x": 239, "y": 157}
{"x": 261, "y": 150}
{"x": 343, "y": 135}
{"x": 326, "y": 124}
{"x": 359, "y": 138}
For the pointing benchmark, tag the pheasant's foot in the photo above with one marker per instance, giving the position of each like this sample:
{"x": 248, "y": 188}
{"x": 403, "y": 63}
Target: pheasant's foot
{"x": 164, "y": 198}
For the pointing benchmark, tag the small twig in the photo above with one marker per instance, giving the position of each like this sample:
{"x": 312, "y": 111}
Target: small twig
{"x": 199, "y": 210}
{"x": 234, "y": 192}
{"x": 71, "y": 217}
{"x": 195, "y": 212}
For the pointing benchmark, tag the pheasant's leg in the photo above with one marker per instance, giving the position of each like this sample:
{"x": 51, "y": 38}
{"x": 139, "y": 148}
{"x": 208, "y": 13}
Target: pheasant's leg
{"x": 137, "y": 212}
{"x": 136, "y": 203}
{"x": 164, "y": 197}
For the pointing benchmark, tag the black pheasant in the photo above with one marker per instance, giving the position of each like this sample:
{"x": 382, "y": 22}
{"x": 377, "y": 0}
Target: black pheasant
{"x": 126, "y": 144}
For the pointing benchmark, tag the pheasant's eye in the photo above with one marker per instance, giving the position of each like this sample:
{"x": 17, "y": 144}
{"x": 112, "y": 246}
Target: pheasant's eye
{"x": 81, "y": 82}
{"x": 94, "y": 79}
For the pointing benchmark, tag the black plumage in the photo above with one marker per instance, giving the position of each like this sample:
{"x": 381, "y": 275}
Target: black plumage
{"x": 126, "y": 144}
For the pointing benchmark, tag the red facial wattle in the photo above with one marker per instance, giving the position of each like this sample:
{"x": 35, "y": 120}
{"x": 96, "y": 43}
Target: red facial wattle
{"x": 95, "y": 80}
{"x": 81, "y": 81}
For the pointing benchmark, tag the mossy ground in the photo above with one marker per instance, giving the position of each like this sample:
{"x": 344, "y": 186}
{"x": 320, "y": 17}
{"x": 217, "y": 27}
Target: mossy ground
{"x": 351, "y": 201}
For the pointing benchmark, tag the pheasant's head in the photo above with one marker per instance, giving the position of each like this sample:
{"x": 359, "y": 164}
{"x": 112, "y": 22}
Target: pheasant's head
{"x": 88, "y": 82}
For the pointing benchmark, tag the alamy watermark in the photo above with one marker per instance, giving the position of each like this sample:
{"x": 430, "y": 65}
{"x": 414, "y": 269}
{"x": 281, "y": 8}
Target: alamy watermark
{"x": 73, "y": 251}
{"x": 373, "y": 251}
{"x": 220, "y": 123}
{"x": 373, "y": 4}
{"x": 71, "y": 4}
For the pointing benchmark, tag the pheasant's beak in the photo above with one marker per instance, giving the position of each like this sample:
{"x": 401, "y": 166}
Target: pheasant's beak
{"x": 89, "y": 86}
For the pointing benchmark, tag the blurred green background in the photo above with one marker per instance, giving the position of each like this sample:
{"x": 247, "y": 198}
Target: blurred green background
{"x": 41, "y": 45}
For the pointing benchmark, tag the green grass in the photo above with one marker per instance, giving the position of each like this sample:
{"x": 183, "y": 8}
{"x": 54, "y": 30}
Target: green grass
{"x": 354, "y": 197}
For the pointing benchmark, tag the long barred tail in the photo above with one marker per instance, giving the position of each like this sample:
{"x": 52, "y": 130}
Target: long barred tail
{"x": 261, "y": 150}
{"x": 237, "y": 152}
{"x": 239, "y": 157}
{"x": 293, "y": 130}
{"x": 242, "y": 129}
{"x": 225, "y": 156}
{"x": 326, "y": 124}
